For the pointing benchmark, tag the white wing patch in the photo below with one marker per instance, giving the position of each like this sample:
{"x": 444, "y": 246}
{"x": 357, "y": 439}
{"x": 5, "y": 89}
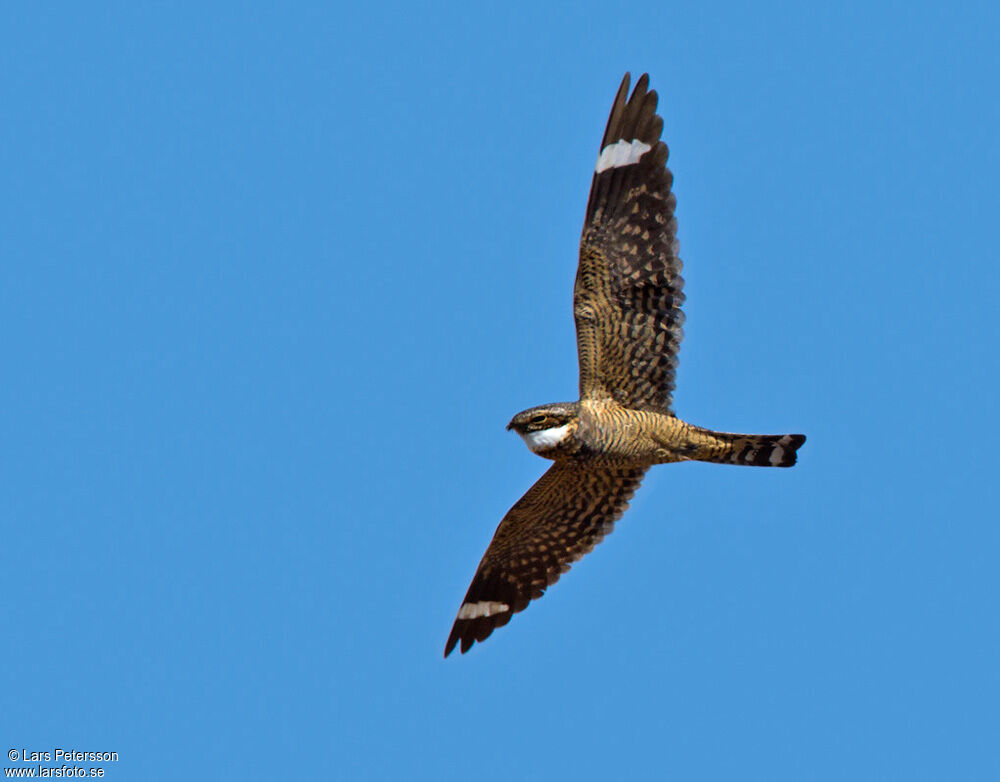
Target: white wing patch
{"x": 546, "y": 438}
{"x": 482, "y": 608}
{"x": 621, "y": 153}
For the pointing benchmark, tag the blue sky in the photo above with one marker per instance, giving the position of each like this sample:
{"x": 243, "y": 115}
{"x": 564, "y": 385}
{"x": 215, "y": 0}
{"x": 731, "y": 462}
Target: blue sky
{"x": 274, "y": 278}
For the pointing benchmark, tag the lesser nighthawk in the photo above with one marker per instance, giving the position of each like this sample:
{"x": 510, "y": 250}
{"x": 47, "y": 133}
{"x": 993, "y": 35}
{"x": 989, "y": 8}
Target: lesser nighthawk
{"x": 626, "y": 304}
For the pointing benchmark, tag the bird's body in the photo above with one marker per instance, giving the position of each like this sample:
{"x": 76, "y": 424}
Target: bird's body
{"x": 594, "y": 429}
{"x": 626, "y": 304}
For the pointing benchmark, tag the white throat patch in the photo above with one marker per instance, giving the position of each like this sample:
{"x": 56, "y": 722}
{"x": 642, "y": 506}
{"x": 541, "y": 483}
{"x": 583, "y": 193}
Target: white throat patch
{"x": 546, "y": 438}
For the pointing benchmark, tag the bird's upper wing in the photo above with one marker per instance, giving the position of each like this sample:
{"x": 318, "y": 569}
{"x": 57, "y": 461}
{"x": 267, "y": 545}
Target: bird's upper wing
{"x": 562, "y": 517}
{"x": 628, "y": 295}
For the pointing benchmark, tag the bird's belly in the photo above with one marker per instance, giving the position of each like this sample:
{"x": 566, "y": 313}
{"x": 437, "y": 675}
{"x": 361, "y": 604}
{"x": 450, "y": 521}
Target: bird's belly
{"x": 637, "y": 436}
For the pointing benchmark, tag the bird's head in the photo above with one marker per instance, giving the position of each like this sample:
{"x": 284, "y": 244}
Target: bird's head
{"x": 548, "y": 428}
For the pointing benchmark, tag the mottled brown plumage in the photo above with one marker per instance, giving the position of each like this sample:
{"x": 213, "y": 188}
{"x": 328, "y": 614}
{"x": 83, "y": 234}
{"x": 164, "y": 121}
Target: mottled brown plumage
{"x": 626, "y": 304}
{"x": 628, "y": 295}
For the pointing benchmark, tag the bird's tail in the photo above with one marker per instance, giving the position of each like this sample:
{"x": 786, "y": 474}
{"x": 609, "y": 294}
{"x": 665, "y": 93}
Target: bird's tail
{"x": 757, "y": 450}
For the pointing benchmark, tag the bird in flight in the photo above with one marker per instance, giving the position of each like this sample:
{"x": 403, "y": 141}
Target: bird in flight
{"x": 627, "y": 306}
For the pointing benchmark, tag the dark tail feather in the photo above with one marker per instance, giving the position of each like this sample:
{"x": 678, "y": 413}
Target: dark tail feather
{"x": 757, "y": 450}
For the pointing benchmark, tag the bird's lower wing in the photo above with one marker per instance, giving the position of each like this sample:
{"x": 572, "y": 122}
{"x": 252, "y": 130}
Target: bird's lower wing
{"x": 563, "y": 516}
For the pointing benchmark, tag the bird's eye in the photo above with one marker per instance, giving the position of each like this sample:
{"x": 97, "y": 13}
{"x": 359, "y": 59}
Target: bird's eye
{"x": 539, "y": 419}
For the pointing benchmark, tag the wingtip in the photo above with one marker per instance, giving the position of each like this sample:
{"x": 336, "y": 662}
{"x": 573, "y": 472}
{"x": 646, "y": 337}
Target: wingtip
{"x": 462, "y": 639}
{"x": 449, "y": 647}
